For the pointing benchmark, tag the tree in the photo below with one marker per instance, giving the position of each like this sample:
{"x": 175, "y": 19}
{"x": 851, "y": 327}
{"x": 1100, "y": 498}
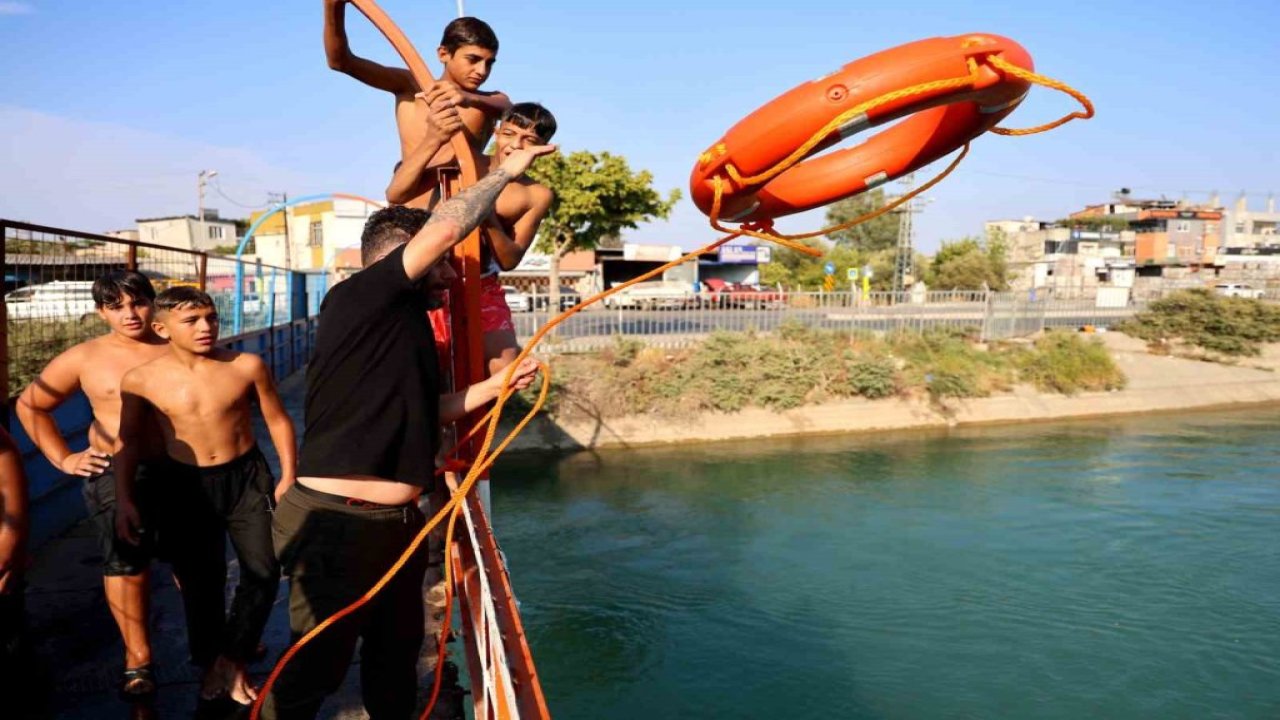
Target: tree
{"x": 596, "y": 198}
{"x": 969, "y": 264}
{"x": 877, "y": 234}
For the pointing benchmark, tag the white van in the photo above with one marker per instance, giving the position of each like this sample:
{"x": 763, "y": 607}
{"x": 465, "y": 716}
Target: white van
{"x": 57, "y": 300}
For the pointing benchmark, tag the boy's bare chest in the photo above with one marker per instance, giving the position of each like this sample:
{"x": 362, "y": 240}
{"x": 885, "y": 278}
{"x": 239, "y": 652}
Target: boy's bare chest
{"x": 198, "y": 398}
{"x": 100, "y": 378}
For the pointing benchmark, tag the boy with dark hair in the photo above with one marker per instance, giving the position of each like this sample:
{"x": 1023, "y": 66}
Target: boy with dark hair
{"x": 508, "y": 232}
{"x": 373, "y": 415}
{"x": 124, "y": 300}
{"x": 468, "y": 49}
{"x": 216, "y": 482}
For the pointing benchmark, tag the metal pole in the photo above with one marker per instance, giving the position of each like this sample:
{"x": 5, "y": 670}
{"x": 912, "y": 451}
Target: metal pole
{"x": 4, "y": 331}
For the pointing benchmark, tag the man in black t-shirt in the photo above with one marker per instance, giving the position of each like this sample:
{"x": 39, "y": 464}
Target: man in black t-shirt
{"x": 373, "y": 416}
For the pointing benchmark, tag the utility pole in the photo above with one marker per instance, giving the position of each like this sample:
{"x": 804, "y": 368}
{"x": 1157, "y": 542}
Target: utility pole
{"x": 902, "y": 262}
{"x": 202, "y": 179}
{"x": 461, "y": 12}
{"x": 283, "y": 199}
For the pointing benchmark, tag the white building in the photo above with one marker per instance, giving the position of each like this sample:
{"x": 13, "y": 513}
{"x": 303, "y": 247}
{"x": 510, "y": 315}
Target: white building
{"x": 1243, "y": 227}
{"x": 186, "y": 232}
{"x": 317, "y": 232}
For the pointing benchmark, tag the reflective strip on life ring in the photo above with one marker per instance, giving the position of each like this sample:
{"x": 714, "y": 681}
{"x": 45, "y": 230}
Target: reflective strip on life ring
{"x": 934, "y": 122}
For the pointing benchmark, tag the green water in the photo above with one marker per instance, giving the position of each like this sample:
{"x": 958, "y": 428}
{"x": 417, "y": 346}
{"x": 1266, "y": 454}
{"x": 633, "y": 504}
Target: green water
{"x": 1109, "y": 569}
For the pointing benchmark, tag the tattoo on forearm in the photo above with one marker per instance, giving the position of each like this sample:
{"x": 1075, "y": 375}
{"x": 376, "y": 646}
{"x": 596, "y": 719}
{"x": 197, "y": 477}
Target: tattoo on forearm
{"x": 472, "y": 205}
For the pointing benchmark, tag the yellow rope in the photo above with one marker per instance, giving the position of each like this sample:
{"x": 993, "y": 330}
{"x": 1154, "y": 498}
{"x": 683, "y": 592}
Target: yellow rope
{"x": 1023, "y": 74}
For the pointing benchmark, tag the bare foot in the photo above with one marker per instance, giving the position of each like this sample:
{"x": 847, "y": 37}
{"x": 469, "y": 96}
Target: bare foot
{"x": 242, "y": 691}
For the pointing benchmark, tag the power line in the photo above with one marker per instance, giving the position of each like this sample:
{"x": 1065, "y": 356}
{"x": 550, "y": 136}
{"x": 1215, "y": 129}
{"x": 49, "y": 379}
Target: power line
{"x": 217, "y": 187}
{"x": 1110, "y": 186}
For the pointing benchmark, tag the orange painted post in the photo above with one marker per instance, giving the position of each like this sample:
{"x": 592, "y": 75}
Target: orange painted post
{"x": 4, "y": 330}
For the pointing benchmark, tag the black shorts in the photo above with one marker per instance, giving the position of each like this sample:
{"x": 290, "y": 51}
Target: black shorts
{"x": 118, "y": 557}
{"x": 195, "y": 500}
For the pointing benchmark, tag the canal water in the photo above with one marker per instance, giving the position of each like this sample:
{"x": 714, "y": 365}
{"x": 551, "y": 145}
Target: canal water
{"x": 1108, "y": 569}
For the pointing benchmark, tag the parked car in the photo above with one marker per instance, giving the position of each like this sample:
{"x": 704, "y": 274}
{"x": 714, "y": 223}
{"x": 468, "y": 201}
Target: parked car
{"x": 1239, "y": 290}
{"x": 653, "y": 294}
{"x": 568, "y": 298}
{"x": 719, "y": 293}
{"x": 57, "y": 300}
{"x": 517, "y": 301}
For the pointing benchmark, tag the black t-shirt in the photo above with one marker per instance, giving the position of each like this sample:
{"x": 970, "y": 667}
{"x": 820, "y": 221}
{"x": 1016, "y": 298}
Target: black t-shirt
{"x": 373, "y": 385}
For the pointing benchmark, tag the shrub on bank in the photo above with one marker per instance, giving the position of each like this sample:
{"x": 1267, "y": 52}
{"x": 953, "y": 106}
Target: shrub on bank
{"x": 1063, "y": 362}
{"x": 1231, "y": 326}
{"x": 797, "y": 366}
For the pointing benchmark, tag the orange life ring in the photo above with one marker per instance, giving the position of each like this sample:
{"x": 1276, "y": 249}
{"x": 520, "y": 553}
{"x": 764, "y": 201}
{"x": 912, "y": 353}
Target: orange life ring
{"x": 950, "y": 95}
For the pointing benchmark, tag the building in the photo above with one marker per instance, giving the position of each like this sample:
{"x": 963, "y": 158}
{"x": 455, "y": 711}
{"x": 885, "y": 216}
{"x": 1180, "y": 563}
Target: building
{"x": 1245, "y": 228}
{"x": 532, "y": 275}
{"x": 1062, "y": 259}
{"x": 317, "y": 232}
{"x": 1168, "y": 232}
{"x": 186, "y": 232}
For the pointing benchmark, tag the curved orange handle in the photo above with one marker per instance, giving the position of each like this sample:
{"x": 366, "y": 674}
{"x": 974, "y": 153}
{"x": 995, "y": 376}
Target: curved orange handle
{"x": 422, "y": 75}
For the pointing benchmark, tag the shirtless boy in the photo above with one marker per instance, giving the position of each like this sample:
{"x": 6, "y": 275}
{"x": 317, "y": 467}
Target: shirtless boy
{"x": 509, "y": 231}
{"x": 215, "y": 482}
{"x": 124, "y": 300}
{"x": 467, "y": 51}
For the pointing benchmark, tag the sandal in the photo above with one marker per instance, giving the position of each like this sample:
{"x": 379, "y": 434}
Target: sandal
{"x": 137, "y": 682}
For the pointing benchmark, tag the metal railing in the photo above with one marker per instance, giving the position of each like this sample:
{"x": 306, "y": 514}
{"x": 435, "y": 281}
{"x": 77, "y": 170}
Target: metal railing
{"x": 991, "y": 315}
{"x": 49, "y": 271}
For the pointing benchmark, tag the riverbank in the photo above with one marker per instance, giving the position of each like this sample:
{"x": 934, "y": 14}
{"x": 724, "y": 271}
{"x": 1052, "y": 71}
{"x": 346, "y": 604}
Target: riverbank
{"x": 1156, "y": 383}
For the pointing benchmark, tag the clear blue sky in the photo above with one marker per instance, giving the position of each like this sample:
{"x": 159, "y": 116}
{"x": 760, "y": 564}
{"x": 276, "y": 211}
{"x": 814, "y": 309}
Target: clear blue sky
{"x": 108, "y": 109}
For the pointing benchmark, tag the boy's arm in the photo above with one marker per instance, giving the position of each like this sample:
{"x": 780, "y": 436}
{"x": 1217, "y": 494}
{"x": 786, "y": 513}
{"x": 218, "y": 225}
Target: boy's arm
{"x": 13, "y": 511}
{"x": 134, "y": 408}
{"x": 442, "y": 122}
{"x": 455, "y": 406}
{"x": 57, "y": 382}
{"x": 454, "y": 218}
{"x": 279, "y": 424}
{"x": 338, "y": 51}
{"x": 494, "y": 104}
{"x": 509, "y": 250}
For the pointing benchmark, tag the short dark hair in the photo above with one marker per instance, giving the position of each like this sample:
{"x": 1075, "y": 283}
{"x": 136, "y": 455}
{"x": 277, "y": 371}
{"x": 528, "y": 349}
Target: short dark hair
{"x": 391, "y": 226}
{"x": 468, "y": 31}
{"x": 182, "y": 297}
{"x": 532, "y": 116}
{"x": 111, "y": 288}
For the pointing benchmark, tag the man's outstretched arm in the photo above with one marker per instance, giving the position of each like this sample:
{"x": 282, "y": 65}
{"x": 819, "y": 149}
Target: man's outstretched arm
{"x": 456, "y": 217}
{"x": 338, "y": 51}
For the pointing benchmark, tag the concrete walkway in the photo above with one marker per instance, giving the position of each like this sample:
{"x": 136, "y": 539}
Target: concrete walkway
{"x": 79, "y": 653}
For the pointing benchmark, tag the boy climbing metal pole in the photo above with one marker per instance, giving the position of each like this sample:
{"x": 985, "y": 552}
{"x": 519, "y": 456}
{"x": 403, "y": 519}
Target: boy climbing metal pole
{"x": 468, "y": 50}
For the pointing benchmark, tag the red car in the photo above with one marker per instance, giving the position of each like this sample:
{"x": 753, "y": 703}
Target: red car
{"x": 719, "y": 293}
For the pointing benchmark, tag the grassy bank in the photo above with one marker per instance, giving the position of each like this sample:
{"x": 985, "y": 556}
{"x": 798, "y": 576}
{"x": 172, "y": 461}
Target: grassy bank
{"x": 1230, "y": 327}
{"x": 800, "y": 366}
